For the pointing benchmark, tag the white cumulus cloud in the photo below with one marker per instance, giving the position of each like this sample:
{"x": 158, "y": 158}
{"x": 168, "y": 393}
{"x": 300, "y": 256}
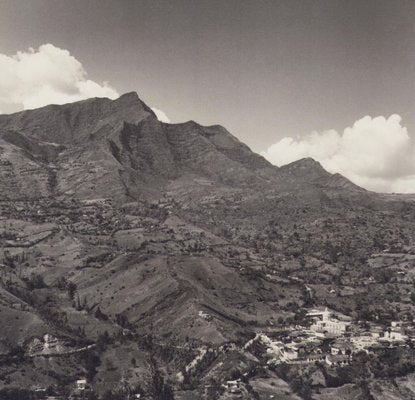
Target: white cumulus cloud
{"x": 161, "y": 115}
{"x": 48, "y": 75}
{"x": 375, "y": 153}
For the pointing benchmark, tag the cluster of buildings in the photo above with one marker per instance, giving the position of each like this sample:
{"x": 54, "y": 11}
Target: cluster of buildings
{"x": 47, "y": 345}
{"x": 334, "y": 325}
{"x": 332, "y": 338}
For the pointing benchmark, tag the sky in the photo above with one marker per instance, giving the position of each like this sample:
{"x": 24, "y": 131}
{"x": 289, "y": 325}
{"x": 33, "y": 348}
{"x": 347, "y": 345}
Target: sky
{"x": 333, "y": 80}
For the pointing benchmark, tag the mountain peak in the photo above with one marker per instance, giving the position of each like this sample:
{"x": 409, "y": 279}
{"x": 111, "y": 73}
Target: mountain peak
{"x": 305, "y": 166}
{"x": 308, "y": 170}
{"x": 306, "y": 162}
{"x": 130, "y": 98}
{"x": 129, "y": 95}
{"x": 73, "y": 122}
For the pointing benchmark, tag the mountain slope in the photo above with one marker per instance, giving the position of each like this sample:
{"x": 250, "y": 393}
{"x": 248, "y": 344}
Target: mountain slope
{"x": 147, "y": 248}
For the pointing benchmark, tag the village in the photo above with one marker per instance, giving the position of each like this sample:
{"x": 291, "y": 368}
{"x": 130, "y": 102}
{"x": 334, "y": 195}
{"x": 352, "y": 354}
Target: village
{"x": 333, "y": 338}
{"x": 323, "y": 338}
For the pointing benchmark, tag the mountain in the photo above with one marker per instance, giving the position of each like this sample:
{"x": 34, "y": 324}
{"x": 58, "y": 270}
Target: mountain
{"x": 118, "y": 149}
{"x": 148, "y": 251}
{"x": 114, "y": 142}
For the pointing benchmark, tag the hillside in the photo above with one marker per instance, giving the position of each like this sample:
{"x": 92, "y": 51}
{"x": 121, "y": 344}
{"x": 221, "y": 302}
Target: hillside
{"x": 148, "y": 250}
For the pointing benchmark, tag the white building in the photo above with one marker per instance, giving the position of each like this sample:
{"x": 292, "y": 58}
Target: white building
{"x": 81, "y": 384}
{"x": 331, "y": 327}
{"x": 324, "y": 322}
{"x": 234, "y": 386}
{"x": 337, "y": 360}
{"x": 50, "y": 342}
{"x": 394, "y": 335}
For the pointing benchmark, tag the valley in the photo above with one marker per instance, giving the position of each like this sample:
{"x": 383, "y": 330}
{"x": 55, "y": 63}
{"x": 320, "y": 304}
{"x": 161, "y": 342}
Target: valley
{"x": 169, "y": 261}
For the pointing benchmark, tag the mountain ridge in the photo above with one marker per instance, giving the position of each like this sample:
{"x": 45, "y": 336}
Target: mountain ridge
{"x": 127, "y": 130}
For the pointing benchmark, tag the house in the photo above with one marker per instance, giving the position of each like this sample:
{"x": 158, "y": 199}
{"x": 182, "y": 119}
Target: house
{"x": 394, "y": 335}
{"x": 205, "y": 315}
{"x": 376, "y": 331}
{"x": 50, "y": 342}
{"x": 326, "y": 322}
{"x": 321, "y": 313}
{"x": 337, "y": 360}
{"x": 341, "y": 348}
{"x": 19, "y": 306}
{"x": 36, "y": 346}
{"x": 81, "y": 384}
{"x": 331, "y": 327}
{"x": 315, "y": 357}
{"x": 234, "y": 386}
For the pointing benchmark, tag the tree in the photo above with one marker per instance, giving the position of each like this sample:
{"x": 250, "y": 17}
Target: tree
{"x": 91, "y": 362}
{"x": 160, "y": 390}
{"x": 16, "y": 394}
{"x": 122, "y": 320}
{"x": 71, "y": 287}
{"x": 103, "y": 340}
{"x": 100, "y": 315}
{"x": 302, "y": 387}
{"x": 35, "y": 282}
{"x": 17, "y": 352}
{"x": 300, "y": 315}
{"x": 113, "y": 395}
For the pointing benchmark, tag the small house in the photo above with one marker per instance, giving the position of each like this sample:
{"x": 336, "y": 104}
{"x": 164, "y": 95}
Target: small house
{"x": 81, "y": 384}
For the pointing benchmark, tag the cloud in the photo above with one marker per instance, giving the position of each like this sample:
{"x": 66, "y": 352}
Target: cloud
{"x": 375, "y": 153}
{"x": 48, "y": 75}
{"x": 161, "y": 115}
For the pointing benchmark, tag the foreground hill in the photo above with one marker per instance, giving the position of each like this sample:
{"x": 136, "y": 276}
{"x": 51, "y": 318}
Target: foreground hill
{"x": 147, "y": 250}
